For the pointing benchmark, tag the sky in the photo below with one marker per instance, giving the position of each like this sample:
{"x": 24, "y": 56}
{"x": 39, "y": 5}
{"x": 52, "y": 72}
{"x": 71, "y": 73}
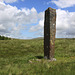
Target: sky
{"x": 24, "y": 19}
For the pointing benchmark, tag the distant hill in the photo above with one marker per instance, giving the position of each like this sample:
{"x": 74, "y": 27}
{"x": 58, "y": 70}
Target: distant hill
{"x": 39, "y": 38}
{"x": 55, "y": 38}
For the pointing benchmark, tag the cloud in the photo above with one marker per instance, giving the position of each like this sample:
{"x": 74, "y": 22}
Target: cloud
{"x": 14, "y": 20}
{"x": 8, "y": 1}
{"x": 38, "y": 29}
{"x": 64, "y": 3}
{"x": 39, "y": 26}
{"x": 65, "y": 23}
{"x": 40, "y": 23}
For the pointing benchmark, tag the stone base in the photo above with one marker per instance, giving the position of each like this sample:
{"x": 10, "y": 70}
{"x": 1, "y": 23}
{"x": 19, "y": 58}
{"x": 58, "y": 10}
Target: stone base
{"x": 52, "y": 59}
{"x": 40, "y": 60}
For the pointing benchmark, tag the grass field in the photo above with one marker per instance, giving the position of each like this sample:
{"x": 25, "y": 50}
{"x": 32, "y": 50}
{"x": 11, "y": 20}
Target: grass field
{"x": 19, "y": 57}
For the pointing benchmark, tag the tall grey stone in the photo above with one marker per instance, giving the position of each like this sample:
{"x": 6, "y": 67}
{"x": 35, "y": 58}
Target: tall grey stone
{"x": 49, "y": 33}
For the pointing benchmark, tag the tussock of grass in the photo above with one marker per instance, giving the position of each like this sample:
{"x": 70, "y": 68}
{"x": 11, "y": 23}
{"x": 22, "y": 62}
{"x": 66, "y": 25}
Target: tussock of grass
{"x": 16, "y": 54}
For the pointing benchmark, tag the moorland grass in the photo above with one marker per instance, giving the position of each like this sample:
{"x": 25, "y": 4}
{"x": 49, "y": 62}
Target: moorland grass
{"x": 19, "y": 57}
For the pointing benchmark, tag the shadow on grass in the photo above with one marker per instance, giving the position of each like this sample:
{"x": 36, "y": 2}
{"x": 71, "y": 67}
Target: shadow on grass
{"x": 39, "y": 57}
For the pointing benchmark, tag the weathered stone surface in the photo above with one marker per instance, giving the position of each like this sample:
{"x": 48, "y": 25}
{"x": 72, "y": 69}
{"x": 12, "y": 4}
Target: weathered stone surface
{"x": 49, "y": 33}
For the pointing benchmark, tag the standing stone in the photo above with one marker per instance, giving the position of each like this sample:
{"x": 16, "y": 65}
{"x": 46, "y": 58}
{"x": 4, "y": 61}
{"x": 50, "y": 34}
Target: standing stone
{"x": 49, "y": 33}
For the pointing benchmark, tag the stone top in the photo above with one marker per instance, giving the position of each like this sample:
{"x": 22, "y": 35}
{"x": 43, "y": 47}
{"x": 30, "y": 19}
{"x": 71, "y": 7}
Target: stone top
{"x": 51, "y": 9}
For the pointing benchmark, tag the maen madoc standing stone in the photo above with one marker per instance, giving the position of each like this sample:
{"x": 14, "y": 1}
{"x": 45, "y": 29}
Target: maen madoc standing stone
{"x": 49, "y": 33}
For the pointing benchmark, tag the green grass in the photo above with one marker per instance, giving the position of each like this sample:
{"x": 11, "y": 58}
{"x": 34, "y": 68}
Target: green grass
{"x": 19, "y": 57}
